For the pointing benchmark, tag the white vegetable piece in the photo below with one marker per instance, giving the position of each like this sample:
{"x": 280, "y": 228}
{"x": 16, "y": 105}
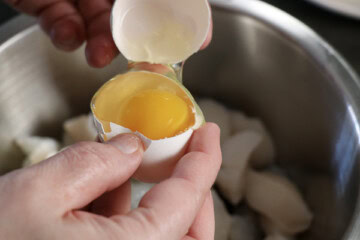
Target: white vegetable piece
{"x": 138, "y": 190}
{"x": 222, "y": 218}
{"x": 272, "y": 233}
{"x": 264, "y": 154}
{"x": 238, "y": 121}
{"x": 278, "y": 237}
{"x": 37, "y": 149}
{"x": 236, "y": 154}
{"x": 276, "y": 198}
{"x": 242, "y": 228}
{"x": 80, "y": 128}
{"x": 217, "y": 113}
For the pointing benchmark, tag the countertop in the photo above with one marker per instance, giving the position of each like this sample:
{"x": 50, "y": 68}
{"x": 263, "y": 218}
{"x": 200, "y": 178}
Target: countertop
{"x": 343, "y": 33}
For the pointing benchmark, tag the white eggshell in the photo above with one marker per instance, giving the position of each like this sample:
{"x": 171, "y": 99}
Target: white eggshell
{"x": 36, "y": 148}
{"x": 138, "y": 190}
{"x": 243, "y": 228}
{"x": 160, "y": 31}
{"x": 80, "y": 128}
{"x": 277, "y": 199}
{"x": 222, "y": 218}
{"x": 236, "y": 153}
{"x": 216, "y": 112}
{"x": 264, "y": 154}
{"x": 160, "y": 156}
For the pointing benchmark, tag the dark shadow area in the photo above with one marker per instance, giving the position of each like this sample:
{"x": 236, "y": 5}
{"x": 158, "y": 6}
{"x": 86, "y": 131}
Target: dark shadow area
{"x": 6, "y": 12}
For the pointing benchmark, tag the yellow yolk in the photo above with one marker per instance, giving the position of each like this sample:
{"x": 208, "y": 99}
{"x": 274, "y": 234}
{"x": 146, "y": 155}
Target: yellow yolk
{"x": 146, "y": 102}
{"x": 156, "y": 114}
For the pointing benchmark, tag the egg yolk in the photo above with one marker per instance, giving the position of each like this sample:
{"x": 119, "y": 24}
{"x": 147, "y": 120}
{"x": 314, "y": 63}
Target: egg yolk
{"x": 156, "y": 114}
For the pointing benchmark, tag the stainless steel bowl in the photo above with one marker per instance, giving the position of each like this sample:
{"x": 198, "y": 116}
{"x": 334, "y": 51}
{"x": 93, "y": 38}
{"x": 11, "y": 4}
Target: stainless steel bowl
{"x": 261, "y": 61}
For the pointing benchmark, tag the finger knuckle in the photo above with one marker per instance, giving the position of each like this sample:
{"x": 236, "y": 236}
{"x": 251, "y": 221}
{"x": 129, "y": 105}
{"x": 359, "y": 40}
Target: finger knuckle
{"x": 89, "y": 154}
{"x": 199, "y": 156}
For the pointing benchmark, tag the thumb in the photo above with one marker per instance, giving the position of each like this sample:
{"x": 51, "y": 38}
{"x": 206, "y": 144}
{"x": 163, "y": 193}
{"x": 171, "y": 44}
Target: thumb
{"x": 81, "y": 173}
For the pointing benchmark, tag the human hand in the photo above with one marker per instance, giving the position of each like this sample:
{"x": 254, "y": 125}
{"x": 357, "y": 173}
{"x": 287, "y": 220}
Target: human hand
{"x": 71, "y": 22}
{"x": 84, "y": 193}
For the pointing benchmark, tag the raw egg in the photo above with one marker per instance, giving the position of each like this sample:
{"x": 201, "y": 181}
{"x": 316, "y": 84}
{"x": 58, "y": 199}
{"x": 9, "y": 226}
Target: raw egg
{"x": 157, "y": 108}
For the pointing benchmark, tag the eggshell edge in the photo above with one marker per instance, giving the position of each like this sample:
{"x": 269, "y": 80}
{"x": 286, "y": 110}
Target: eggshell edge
{"x": 157, "y": 163}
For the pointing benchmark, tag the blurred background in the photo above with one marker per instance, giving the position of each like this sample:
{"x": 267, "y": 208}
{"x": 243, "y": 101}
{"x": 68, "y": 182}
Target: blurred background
{"x": 342, "y": 32}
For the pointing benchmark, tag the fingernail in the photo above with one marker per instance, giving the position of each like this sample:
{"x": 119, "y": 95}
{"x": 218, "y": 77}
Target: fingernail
{"x": 126, "y": 143}
{"x": 100, "y": 51}
{"x": 64, "y": 35}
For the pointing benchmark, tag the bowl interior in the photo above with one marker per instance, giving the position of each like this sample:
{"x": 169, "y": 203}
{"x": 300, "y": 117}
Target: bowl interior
{"x": 250, "y": 66}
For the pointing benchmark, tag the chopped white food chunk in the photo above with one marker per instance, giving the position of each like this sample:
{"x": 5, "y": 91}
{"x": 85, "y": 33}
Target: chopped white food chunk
{"x": 276, "y": 198}
{"x": 78, "y": 129}
{"x": 236, "y": 154}
{"x": 37, "y": 149}
{"x": 217, "y": 113}
{"x": 138, "y": 190}
{"x": 264, "y": 154}
{"x": 67, "y": 140}
{"x": 278, "y": 237}
{"x": 243, "y": 228}
{"x": 271, "y": 231}
{"x": 238, "y": 121}
{"x": 222, "y": 218}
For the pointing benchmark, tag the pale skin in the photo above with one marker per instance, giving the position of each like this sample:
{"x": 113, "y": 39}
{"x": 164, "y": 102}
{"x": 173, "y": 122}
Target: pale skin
{"x": 70, "y": 23}
{"x": 83, "y": 192}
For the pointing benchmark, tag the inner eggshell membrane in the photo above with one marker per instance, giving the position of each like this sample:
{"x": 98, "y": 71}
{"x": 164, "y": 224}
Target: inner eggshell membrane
{"x": 144, "y": 102}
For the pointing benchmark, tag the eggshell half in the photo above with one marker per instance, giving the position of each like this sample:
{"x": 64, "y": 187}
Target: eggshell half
{"x": 160, "y": 31}
{"x": 160, "y": 156}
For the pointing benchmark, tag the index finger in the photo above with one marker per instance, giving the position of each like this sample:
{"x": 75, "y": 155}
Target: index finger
{"x": 32, "y": 7}
{"x": 168, "y": 209}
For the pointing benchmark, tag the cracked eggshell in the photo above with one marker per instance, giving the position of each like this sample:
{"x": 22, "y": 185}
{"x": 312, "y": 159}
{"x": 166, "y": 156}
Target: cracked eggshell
{"x": 160, "y": 31}
{"x": 236, "y": 153}
{"x": 276, "y": 198}
{"x": 160, "y": 156}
